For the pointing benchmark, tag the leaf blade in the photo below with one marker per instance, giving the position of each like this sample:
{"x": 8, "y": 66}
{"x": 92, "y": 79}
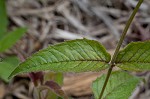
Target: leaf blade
{"x": 7, "y": 66}
{"x": 135, "y": 57}
{"x": 119, "y": 86}
{"x": 3, "y": 17}
{"x": 11, "y": 38}
{"x": 72, "y": 56}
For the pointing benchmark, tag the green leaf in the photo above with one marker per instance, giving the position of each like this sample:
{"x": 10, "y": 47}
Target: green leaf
{"x": 55, "y": 87}
{"x": 72, "y": 56}
{"x": 7, "y": 66}
{"x": 58, "y": 78}
{"x": 135, "y": 56}
{"x": 120, "y": 85}
{"x": 3, "y": 18}
{"x": 11, "y": 38}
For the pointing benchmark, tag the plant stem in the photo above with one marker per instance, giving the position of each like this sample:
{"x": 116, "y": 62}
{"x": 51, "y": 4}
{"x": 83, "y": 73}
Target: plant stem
{"x": 106, "y": 80}
{"x": 125, "y": 31}
{"x": 112, "y": 62}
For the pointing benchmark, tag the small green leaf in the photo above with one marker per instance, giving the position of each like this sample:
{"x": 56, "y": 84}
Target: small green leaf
{"x": 10, "y": 39}
{"x": 7, "y": 66}
{"x": 72, "y": 56}
{"x": 58, "y": 78}
{"x": 135, "y": 56}
{"x": 120, "y": 85}
{"x": 3, "y": 18}
{"x": 55, "y": 87}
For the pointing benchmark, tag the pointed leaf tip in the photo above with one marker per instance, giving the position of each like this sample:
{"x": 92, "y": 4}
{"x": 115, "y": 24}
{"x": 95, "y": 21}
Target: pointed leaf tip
{"x": 79, "y": 55}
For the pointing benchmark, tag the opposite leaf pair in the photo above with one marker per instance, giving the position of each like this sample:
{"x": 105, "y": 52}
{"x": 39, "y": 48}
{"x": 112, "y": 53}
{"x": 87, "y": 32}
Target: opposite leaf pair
{"x": 83, "y": 55}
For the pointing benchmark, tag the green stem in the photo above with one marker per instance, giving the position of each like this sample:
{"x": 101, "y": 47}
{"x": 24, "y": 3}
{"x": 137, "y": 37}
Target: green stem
{"x": 125, "y": 31}
{"x": 112, "y": 62}
{"x": 106, "y": 80}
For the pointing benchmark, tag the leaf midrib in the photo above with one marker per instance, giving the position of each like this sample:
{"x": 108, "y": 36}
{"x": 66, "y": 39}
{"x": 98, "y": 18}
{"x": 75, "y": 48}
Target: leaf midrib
{"x": 74, "y": 61}
{"x": 121, "y": 62}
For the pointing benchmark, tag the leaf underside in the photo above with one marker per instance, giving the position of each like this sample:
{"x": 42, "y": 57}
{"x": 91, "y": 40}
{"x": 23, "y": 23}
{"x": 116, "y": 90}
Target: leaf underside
{"x": 79, "y": 55}
{"x": 136, "y": 56}
{"x": 120, "y": 86}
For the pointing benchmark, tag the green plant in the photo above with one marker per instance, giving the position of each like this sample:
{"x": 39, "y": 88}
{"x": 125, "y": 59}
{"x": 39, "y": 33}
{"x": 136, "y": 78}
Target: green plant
{"x": 7, "y": 40}
{"x": 83, "y": 55}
